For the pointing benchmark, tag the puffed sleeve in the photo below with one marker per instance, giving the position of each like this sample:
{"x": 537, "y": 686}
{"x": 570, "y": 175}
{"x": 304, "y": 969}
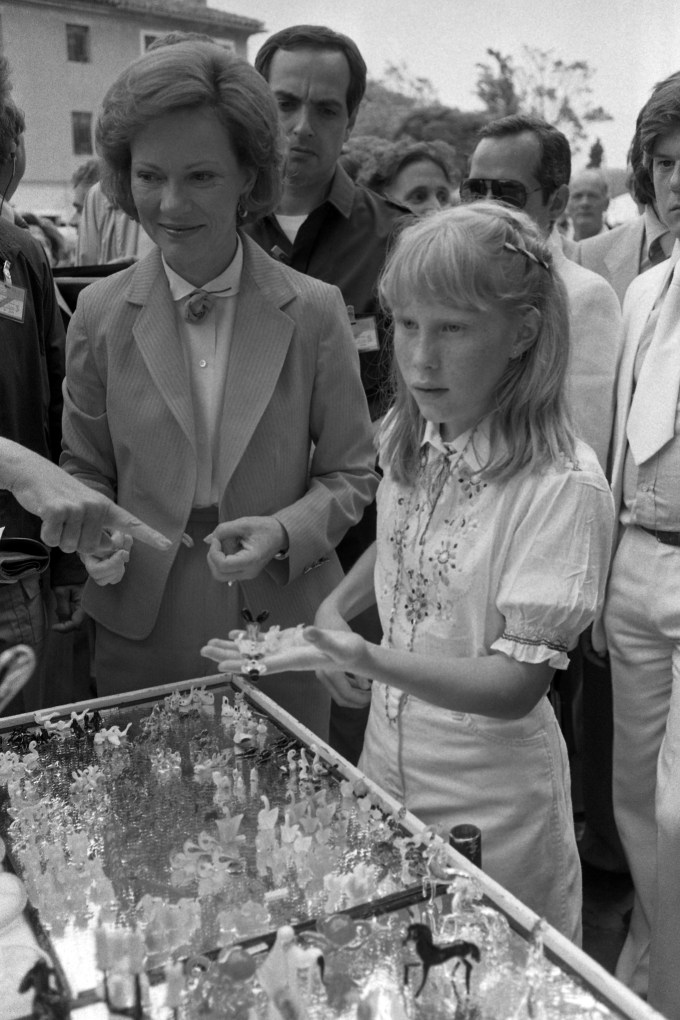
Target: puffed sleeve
{"x": 556, "y": 564}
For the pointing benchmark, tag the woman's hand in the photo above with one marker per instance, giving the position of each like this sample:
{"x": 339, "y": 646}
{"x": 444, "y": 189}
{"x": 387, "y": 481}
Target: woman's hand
{"x": 107, "y": 564}
{"x": 241, "y": 549}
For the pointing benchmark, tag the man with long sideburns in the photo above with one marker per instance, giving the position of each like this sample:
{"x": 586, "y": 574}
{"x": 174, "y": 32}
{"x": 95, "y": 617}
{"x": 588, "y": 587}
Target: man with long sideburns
{"x": 642, "y": 621}
{"x": 526, "y": 162}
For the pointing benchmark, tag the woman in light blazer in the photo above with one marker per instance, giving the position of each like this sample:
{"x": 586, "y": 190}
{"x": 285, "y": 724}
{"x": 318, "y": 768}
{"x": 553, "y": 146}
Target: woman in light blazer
{"x": 210, "y": 390}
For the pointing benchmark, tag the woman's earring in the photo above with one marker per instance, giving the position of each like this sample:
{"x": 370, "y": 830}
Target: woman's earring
{"x": 241, "y": 210}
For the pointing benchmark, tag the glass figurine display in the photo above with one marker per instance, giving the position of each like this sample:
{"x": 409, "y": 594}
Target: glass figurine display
{"x": 187, "y": 856}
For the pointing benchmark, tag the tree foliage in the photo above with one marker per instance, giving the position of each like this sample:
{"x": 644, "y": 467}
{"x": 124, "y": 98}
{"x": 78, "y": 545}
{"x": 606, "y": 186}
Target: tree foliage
{"x": 398, "y": 78}
{"x": 496, "y": 86}
{"x": 545, "y": 86}
{"x": 459, "y": 128}
{"x": 596, "y": 156}
{"x": 382, "y": 111}
{"x": 390, "y": 98}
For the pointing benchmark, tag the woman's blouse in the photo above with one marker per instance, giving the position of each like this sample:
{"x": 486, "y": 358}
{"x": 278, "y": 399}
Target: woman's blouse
{"x": 467, "y": 567}
{"x": 206, "y": 343}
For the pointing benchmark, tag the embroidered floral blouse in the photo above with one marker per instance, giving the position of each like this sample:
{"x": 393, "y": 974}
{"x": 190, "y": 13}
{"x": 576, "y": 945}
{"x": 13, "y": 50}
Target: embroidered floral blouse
{"x": 466, "y": 568}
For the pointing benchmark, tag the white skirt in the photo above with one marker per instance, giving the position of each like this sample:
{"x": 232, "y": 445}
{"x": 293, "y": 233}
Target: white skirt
{"x": 508, "y": 777}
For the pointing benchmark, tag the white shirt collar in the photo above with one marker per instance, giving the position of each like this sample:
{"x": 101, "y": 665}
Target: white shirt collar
{"x": 228, "y": 281}
{"x": 476, "y": 455}
{"x": 554, "y": 243}
{"x": 655, "y": 230}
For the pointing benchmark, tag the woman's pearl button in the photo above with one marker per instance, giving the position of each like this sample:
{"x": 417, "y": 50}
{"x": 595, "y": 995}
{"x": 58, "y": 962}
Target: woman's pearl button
{"x": 203, "y": 362}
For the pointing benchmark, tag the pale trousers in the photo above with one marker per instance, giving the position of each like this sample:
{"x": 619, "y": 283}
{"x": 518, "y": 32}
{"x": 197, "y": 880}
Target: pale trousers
{"x": 509, "y": 777}
{"x": 642, "y": 620}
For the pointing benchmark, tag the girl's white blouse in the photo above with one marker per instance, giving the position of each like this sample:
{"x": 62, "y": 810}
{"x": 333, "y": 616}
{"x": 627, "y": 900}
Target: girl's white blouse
{"x": 469, "y": 568}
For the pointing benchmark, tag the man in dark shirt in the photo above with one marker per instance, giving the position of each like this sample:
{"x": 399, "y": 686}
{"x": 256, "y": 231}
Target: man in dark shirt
{"x": 328, "y": 227}
{"x": 31, "y": 372}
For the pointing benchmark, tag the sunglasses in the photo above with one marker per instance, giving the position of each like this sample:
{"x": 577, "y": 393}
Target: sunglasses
{"x": 512, "y": 192}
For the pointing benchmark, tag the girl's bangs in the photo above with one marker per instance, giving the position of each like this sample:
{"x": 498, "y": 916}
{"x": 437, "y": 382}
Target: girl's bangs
{"x": 448, "y": 268}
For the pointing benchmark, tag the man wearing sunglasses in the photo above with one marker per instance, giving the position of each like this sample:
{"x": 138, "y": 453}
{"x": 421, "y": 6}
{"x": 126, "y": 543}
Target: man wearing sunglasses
{"x": 526, "y": 163}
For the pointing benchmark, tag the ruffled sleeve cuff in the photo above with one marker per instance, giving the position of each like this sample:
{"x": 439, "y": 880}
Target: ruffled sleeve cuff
{"x": 534, "y": 649}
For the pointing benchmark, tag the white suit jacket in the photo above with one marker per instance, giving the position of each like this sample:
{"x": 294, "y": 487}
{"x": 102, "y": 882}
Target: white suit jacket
{"x": 295, "y": 428}
{"x": 614, "y": 255}
{"x": 640, "y": 299}
{"x": 596, "y": 335}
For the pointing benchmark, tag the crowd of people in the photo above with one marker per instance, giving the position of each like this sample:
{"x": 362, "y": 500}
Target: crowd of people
{"x": 431, "y": 427}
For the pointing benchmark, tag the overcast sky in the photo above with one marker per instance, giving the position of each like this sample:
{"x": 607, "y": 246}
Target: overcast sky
{"x": 631, "y": 44}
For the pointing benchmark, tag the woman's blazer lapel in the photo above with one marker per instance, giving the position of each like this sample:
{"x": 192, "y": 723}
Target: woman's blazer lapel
{"x": 155, "y": 333}
{"x": 260, "y": 340}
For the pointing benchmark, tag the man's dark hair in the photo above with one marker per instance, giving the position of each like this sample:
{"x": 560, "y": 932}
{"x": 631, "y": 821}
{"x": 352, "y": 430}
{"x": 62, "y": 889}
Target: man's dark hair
{"x": 554, "y": 162}
{"x": 641, "y": 183}
{"x": 317, "y": 37}
{"x": 659, "y": 115}
{"x": 12, "y": 123}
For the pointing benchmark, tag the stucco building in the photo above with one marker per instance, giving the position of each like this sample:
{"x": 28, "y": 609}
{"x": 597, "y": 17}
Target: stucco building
{"x": 65, "y": 53}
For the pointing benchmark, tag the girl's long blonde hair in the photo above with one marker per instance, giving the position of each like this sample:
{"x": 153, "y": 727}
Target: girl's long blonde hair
{"x": 459, "y": 257}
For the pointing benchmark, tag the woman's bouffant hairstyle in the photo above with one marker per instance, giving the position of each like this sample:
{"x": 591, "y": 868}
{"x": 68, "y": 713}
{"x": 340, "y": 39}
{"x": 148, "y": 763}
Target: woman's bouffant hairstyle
{"x": 389, "y": 161}
{"x": 458, "y": 257}
{"x": 185, "y": 76}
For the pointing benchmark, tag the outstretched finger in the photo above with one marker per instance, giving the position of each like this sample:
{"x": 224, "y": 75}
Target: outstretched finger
{"x": 118, "y": 518}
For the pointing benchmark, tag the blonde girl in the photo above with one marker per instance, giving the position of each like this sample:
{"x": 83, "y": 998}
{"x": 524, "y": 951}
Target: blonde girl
{"x": 494, "y": 533}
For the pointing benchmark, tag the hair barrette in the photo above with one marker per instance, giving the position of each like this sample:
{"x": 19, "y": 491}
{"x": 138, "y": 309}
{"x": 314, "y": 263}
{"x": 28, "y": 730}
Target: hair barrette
{"x": 509, "y": 246}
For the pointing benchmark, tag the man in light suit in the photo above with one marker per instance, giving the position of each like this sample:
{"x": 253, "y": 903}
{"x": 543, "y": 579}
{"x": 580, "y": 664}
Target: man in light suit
{"x": 621, "y": 254}
{"x": 527, "y": 151}
{"x": 642, "y": 615}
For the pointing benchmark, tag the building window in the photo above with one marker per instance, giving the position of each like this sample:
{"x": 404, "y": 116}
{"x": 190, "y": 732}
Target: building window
{"x": 81, "y": 130}
{"x": 78, "y": 43}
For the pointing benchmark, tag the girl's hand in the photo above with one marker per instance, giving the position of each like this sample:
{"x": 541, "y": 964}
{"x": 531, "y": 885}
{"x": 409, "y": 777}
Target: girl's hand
{"x": 345, "y": 688}
{"x": 319, "y": 650}
{"x": 107, "y": 564}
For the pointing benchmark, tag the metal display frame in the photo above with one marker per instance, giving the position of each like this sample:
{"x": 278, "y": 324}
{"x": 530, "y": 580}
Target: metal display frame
{"x": 568, "y": 957}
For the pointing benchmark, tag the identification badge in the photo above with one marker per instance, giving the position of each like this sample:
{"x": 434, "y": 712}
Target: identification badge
{"x": 365, "y": 332}
{"x": 12, "y": 302}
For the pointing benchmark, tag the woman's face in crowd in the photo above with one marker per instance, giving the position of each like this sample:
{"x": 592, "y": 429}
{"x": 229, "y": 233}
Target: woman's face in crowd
{"x": 186, "y": 184}
{"x": 422, "y": 187}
